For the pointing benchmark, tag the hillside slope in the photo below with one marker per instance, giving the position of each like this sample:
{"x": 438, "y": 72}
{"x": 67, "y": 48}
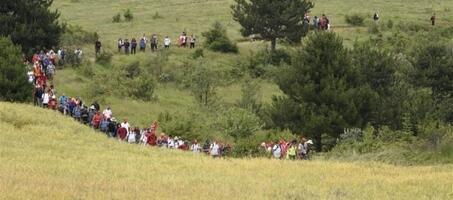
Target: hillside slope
{"x": 44, "y": 155}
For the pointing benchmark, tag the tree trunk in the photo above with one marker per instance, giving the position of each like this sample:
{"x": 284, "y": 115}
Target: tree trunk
{"x": 273, "y": 43}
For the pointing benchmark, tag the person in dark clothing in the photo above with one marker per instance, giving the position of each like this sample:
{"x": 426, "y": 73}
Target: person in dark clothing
{"x": 126, "y": 46}
{"x": 38, "y": 95}
{"x": 96, "y": 105}
{"x": 154, "y": 42}
{"x": 112, "y": 128}
{"x": 97, "y": 47}
{"x": 376, "y": 17}
{"x": 433, "y": 19}
{"x": 133, "y": 46}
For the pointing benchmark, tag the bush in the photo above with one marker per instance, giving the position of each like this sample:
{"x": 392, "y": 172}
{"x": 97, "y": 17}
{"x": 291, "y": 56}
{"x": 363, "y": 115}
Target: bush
{"x": 374, "y": 28}
{"x": 75, "y": 36}
{"x": 143, "y": 88}
{"x": 104, "y": 58}
{"x": 223, "y": 45}
{"x": 116, "y": 18}
{"x": 390, "y": 24}
{"x": 204, "y": 82}
{"x": 238, "y": 123}
{"x": 355, "y": 19}
{"x": 217, "y": 39}
{"x": 128, "y": 16}
{"x": 13, "y": 79}
{"x": 197, "y": 54}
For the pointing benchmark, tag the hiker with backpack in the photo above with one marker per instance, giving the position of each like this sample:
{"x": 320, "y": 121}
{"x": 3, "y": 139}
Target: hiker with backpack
{"x": 133, "y": 46}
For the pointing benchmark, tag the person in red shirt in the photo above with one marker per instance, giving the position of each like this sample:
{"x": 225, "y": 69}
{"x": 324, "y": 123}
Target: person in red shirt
{"x": 433, "y": 19}
{"x": 96, "y": 120}
{"x": 121, "y": 133}
{"x": 53, "y": 103}
{"x": 152, "y": 138}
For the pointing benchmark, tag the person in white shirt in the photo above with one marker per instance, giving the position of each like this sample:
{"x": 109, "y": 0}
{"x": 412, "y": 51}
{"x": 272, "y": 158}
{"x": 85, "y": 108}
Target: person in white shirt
{"x": 214, "y": 149}
{"x": 107, "y": 113}
{"x": 45, "y": 99}
{"x": 170, "y": 142}
{"x": 125, "y": 125}
{"x": 195, "y": 147}
{"x": 131, "y": 137}
{"x": 167, "y": 42}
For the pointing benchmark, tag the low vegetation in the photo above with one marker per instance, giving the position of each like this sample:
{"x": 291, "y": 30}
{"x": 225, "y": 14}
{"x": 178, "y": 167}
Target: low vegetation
{"x": 87, "y": 165}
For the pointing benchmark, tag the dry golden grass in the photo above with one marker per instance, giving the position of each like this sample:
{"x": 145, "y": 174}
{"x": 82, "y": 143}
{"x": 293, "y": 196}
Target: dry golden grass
{"x": 44, "y": 155}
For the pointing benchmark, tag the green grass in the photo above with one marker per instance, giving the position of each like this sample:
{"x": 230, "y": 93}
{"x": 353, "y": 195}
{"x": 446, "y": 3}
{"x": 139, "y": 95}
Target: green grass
{"x": 196, "y": 16}
{"x": 44, "y": 155}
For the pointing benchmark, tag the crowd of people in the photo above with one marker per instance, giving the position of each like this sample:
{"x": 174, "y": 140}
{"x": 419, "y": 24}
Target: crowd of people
{"x": 105, "y": 122}
{"x": 130, "y": 46}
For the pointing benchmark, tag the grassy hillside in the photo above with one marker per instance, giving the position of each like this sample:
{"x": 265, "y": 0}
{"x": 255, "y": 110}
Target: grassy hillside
{"x": 44, "y": 155}
{"x": 194, "y": 17}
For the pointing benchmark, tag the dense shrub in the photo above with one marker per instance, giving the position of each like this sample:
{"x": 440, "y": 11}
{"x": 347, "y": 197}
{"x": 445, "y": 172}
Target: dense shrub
{"x": 75, "y": 37}
{"x": 116, "y": 18}
{"x": 223, "y": 45}
{"x": 197, "y": 53}
{"x": 355, "y": 19}
{"x": 238, "y": 123}
{"x": 143, "y": 88}
{"x": 13, "y": 79}
{"x": 104, "y": 58}
{"x": 128, "y": 16}
{"x": 203, "y": 83}
{"x": 216, "y": 39}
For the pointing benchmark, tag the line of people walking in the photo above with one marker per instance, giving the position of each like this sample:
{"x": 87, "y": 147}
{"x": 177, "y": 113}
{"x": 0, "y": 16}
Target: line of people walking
{"x": 130, "y": 46}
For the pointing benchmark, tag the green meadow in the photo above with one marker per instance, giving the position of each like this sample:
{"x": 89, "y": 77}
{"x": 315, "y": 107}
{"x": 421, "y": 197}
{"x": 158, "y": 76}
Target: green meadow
{"x": 44, "y": 155}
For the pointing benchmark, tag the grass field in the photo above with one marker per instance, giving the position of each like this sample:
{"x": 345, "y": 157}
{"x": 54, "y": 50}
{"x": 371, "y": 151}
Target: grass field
{"x": 44, "y": 155}
{"x": 196, "y": 16}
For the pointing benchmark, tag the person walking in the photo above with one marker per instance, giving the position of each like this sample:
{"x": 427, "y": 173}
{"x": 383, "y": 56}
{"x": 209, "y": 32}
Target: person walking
{"x": 433, "y": 20}
{"x": 120, "y": 45}
{"x": 133, "y": 46}
{"x": 192, "y": 40}
{"x": 154, "y": 43}
{"x": 97, "y": 47}
{"x": 126, "y": 46}
{"x": 167, "y": 42}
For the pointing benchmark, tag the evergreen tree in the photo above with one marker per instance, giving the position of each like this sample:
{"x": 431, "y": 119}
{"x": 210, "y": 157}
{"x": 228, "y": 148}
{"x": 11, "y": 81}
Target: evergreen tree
{"x": 13, "y": 73}
{"x": 321, "y": 79}
{"x": 30, "y": 24}
{"x": 272, "y": 19}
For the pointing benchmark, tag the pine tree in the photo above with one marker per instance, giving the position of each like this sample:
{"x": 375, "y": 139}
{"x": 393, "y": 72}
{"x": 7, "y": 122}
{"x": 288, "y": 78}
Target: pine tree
{"x": 13, "y": 73}
{"x": 30, "y": 24}
{"x": 272, "y": 19}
